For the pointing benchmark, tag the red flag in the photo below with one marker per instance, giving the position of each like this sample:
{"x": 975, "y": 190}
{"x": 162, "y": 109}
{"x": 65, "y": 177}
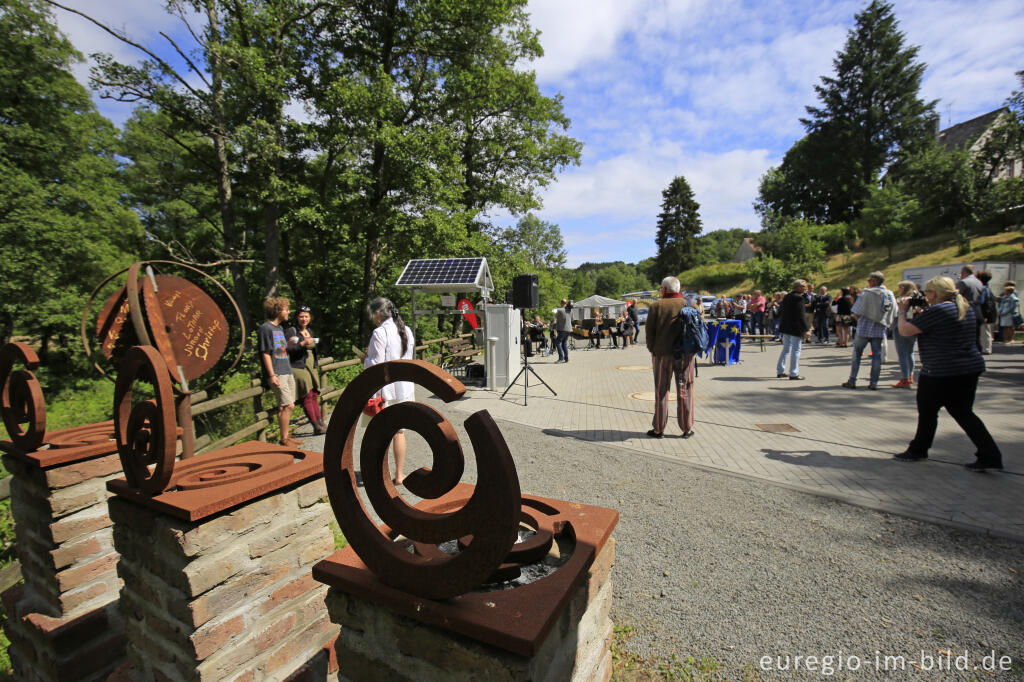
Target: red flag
{"x": 465, "y": 305}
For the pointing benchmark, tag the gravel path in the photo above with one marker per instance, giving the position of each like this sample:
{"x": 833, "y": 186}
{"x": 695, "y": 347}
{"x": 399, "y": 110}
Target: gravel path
{"x": 719, "y": 567}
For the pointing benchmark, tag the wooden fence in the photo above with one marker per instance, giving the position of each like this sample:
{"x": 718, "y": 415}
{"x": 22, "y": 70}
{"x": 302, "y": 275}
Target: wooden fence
{"x": 263, "y": 418}
{"x": 11, "y": 574}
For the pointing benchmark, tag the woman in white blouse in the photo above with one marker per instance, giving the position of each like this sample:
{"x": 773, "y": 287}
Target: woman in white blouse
{"x": 391, "y": 340}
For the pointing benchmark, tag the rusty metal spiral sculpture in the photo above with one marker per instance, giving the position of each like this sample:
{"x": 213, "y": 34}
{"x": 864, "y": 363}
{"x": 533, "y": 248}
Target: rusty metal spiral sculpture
{"x": 487, "y": 523}
{"x": 22, "y": 398}
{"x": 146, "y": 433}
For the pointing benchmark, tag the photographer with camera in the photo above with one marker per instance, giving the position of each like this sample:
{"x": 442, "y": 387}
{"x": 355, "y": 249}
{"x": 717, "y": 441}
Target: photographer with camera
{"x": 950, "y": 367}
{"x": 905, "y": 344}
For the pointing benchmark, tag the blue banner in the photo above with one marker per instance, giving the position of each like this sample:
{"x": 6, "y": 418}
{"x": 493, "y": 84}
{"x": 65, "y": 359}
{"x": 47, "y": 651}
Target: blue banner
{"x": 724, "y": 341}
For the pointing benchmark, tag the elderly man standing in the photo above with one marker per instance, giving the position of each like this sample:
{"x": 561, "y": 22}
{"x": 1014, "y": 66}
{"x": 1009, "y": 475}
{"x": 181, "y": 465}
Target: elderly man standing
{"x": 875, "y": 311}
{"x": 663, "y": 329}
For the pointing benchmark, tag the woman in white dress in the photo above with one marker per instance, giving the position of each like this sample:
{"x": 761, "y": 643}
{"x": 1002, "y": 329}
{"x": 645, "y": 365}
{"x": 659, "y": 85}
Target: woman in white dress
{"x": 391, "y": 340}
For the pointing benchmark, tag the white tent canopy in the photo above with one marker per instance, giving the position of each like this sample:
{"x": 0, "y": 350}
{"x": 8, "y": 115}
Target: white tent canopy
{"x": 583, "y": 310}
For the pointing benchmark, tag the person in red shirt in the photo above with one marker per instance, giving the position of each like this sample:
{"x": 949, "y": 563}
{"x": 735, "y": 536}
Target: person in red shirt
{"x": 756, "y": 310}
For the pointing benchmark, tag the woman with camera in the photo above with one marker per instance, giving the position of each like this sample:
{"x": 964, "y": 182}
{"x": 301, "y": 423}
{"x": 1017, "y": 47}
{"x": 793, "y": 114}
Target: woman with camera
{"x": 950, "y": 366}
{"x": 905, "y": 344}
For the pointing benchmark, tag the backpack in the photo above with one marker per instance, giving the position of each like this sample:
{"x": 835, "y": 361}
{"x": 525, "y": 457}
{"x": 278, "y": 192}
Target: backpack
{"x": 989, "y": 312}
{"x": 693, "y": 335}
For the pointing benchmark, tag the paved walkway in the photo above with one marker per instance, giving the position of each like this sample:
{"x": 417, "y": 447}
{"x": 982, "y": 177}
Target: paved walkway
{"x": 841, "y": 443}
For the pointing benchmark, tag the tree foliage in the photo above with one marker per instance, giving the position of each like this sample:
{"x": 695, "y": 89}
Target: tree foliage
{"x": 427, "y": 121}
{"x": 870, "y": 115}
{"x": 888, "y": 217}
{"x": 539, "y": 241}
{"x": 61, "y": 217}
{"x": 419, "y": 119}
{"x": 608, "y": 279}
{"x": 772, "y": 274}
{"x": 678, "y": 226}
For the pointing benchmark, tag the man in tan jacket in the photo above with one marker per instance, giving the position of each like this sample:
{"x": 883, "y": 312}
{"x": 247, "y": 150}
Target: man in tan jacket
{"x": 662, "y": 331}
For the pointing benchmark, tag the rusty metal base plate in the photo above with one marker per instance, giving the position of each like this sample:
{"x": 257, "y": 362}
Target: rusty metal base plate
{"x": 68, "y": 446}
{"x": 516, "y": 620}
{"x": 210, "y": 483}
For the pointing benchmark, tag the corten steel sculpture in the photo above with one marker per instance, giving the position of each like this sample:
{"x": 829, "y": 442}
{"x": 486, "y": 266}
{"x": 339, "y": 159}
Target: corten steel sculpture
{"x": 428, "y": 583}
{"x": 201, "y": 486}
{"x": 491, "y": 515}
{"x": 24, "y": 415}
{"x": 176, "y": 335}
{"x": 173, "y": 315}
{"x": 22, "y": 399}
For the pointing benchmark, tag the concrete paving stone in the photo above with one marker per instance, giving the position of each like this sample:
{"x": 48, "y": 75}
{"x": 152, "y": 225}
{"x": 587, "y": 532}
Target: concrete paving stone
{"x": 845, "y": 440}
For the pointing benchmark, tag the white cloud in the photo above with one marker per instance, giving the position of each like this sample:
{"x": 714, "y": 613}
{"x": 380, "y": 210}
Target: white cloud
{"x": 972, "y": 51}
{"x": 575, "y": 32}
{"x": 629, "y": 185}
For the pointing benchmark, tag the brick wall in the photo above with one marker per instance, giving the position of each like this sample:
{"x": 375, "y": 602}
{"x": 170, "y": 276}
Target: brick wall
{"x": 377, "y": 644}
{"x": 63, "y": 622}
{"x": 230, "y": 597}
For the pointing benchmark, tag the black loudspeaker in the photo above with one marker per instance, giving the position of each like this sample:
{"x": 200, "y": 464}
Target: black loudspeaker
{"x": 525, "y": 291}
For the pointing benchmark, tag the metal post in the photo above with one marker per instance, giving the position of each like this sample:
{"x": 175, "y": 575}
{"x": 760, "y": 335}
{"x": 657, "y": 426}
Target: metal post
{"x": 412, "y": 316}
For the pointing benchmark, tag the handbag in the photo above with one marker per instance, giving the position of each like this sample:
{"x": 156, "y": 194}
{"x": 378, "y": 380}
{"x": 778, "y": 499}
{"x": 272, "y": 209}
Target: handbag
{"x": 374, "y": 406}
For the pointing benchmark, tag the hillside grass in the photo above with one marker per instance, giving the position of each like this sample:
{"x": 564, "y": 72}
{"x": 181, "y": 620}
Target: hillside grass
{"x": 725, "y": 279}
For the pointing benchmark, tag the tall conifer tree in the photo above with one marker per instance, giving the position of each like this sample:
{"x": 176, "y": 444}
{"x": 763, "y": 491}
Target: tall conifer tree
{"x": 678, "y": 227}
{"x": 870, "y": 115}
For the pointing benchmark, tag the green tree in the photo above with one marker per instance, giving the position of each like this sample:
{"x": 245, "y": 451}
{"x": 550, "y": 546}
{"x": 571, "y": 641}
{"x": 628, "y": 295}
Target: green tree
{"x": 945, "y": 185}
{"x": 1003, "y": 144}
{"x": 61, "y": 217}
{"x": 791, "y": 252}
{"x": 538, "y": 240}
{"x": 678, "y": 226}
{"x": 870, "y": 115}
{"x": 171, "y": 189}
{"x": 889, "y": 216}
{"x": 771, "y": 274}
{"x": 238, "y": 75}
{"x": 427, "y": 122}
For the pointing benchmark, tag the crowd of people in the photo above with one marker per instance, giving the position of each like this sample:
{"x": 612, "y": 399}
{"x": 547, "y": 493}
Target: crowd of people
{"x": 546, "y": 337}
{"x": 949, "y": 325}
{"x": 831, "y": 315}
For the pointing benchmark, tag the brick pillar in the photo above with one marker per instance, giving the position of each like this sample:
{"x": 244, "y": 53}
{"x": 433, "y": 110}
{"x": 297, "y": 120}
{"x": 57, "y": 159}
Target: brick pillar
{"x": 229, "y": 596}
{"x": 63, "y": 622}
{"x": 379, "y": 644}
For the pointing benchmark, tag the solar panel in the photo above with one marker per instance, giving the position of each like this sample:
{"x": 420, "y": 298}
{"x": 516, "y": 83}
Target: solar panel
{"x": 450, "y": 273}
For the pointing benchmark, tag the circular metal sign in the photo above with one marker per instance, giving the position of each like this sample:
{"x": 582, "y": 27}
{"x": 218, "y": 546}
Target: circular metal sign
{"x": 187, "y": 326}
{"x": 184, "y": 323}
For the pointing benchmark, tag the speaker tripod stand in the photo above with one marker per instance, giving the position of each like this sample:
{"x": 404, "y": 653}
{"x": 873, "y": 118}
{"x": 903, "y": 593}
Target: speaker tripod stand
{"x": 526, "y": 371}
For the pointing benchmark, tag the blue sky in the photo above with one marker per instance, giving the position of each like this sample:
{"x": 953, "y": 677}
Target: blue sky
{"x": 708, "y": 89}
